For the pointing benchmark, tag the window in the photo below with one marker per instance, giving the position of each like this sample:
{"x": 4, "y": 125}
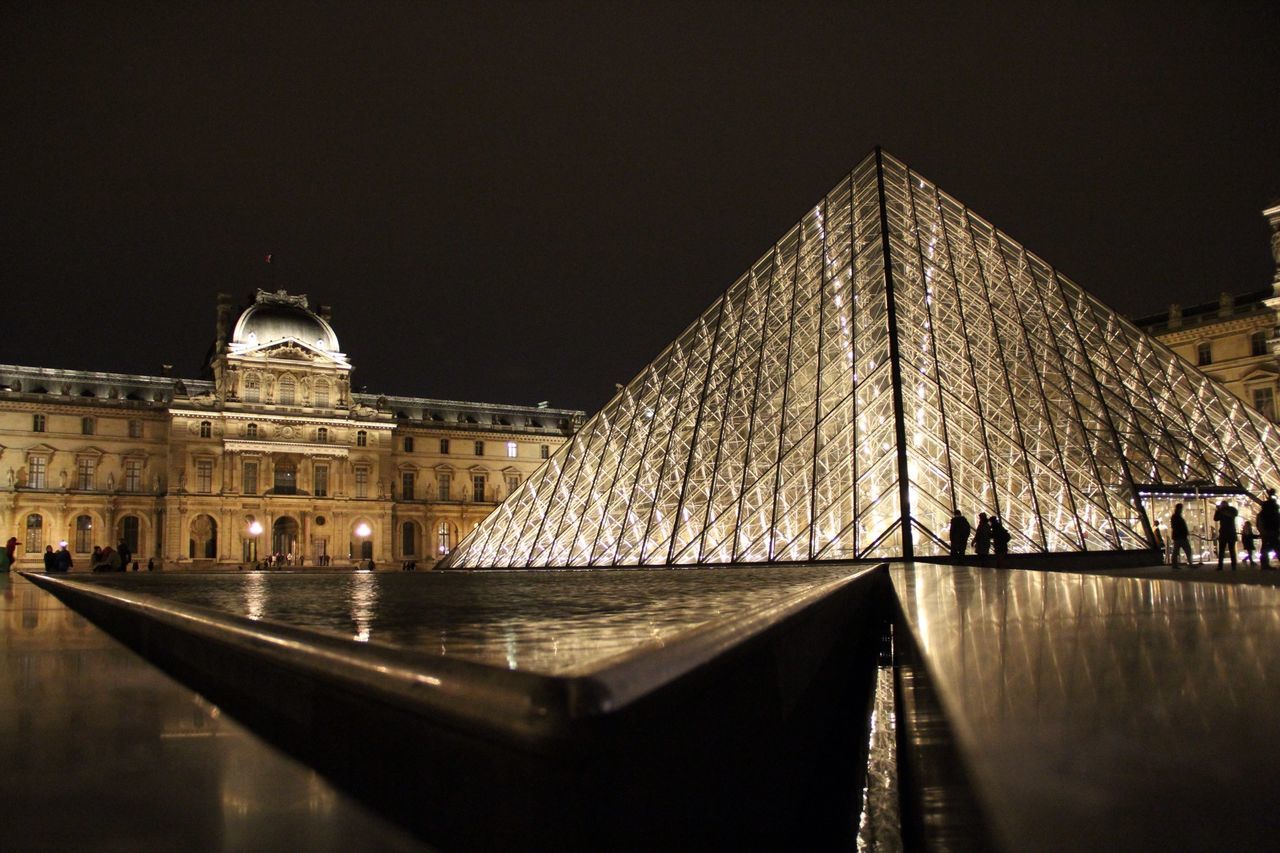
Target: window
{"x": 37, "y": 423}
{"x": 133, "y": 475}
{"x": 322, "y": 481}
{"x": 206, "y": 429}
{"x": 322, "y": 393}
{"x": 408, "y": 539}
{"x": 1204, "y": 354}
{"x": 408, "y": 444}
{"x": 444, "y": 483}
{"x": 286, "y": 477}
{"x": 36, "y": 468}
{"x": 362, "y": 438}
{"x": 407, "y": 482}
{"x": 252, "y": 388}
{"x": 443, "y": 537}
{"x": 35, "y": 534}
{"x": 444, "y": 445}
{"x": 512, "y": 450}
{"x": 135, "y": 429}
{"x": 85, "y": 469}
{"x": 1258, "y": 343}
{"x": 204, "y": 476}
{"x": 288, "y": 391}
{"x": 129, "y": 532}
{"x": 322, "y": 435}
{"x": 86, "y": 426}
{"x": 84, "y": 534}
{"x": 544, "y": 451}
{"x": 362, "y": 482}
{"x": 477, "y": 484}
{"x": 251, "y": 431}
{"x": 250, "y": 478}
{"x": 1264, "y": 400}
{"x": 479, "y": 448}
{"x": 513, "y": 483}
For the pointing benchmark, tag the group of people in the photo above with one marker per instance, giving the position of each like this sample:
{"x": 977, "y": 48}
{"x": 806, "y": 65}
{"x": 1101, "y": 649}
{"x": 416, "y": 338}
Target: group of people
{"x": 989, "y": 536}
{"x": 108, "y": 559}
{"x": 1262, "y": 533}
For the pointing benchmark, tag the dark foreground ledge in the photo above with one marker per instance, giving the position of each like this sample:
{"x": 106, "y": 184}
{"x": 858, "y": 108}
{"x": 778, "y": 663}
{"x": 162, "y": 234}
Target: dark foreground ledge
{"x": 748, "y": 731}
{"x": 1058, "y": 712}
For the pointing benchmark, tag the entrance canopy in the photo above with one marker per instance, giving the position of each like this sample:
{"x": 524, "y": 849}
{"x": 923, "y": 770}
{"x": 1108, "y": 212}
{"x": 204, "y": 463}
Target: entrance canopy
{"x": 892, "y": 357}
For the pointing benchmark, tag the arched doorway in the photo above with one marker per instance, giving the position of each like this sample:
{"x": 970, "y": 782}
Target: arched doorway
{"x": 284, "y": 536}
{"x": 130, "y": 533}
{"x": 203, "y": 544}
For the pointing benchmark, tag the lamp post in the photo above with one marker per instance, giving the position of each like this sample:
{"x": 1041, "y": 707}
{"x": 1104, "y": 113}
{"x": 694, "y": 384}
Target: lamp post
{"x": 362, "y": 532}
{"x": 255, "y": 530}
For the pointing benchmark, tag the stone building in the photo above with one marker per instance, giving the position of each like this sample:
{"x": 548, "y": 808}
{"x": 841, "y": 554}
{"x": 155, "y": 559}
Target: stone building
{"x": 1233, "y": 338}
{"x": 271, "y": 453}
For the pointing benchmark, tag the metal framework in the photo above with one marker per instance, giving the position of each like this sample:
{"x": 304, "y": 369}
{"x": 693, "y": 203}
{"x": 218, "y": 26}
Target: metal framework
{"x": 893, "y": 356}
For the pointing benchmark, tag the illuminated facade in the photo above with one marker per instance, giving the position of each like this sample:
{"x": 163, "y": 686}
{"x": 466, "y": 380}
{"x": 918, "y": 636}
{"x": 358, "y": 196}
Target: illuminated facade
{"x": 1232, "y": 339}
{"x": 892, "y": 357}
{"x": 272, "y": 454}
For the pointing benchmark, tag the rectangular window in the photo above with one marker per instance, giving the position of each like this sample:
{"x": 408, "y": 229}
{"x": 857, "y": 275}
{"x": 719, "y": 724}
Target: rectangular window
{"x": 37, "y": 423}
{"x": 1204, "y": 354}
{"x": 477, "y": 483}
{"x": 1258, "y": 343}
{"x": 444, "y": 482}
{"x": 135, "y": 429}
{"x": 86, "y": 426}
{"x": 85, "y": 469}
{"x": 1264, "y": 400}
{"x": 479, "y": 448}
{"x": 322, "y": 481}
{"x": 544, "y": 451}
{"x": 84, "y": 534}
{"x": 362, "y": 482}
{"x": 204, "y": 476}
{"x": 408, "y": 444}
{"x": 512, "y": 450}
{"x": 407, "y": 479}
{"x": 444, "y": 445}
{"x": 133, "y": 475}
{"x": 36, "y": 468}
{"x": 250, "y": 478}
{"x": 322, "y": 394}
{"x": 513, "y": 483}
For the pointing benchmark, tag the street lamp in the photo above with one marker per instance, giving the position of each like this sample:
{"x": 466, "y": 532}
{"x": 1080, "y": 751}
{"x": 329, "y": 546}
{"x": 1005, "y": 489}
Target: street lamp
{"x": 362, "y": 532}
{"x": 255, "y": 530}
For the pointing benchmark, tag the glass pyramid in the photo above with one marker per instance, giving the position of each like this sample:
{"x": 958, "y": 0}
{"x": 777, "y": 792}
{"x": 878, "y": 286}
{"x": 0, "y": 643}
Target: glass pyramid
{"x": 892, "y": 357}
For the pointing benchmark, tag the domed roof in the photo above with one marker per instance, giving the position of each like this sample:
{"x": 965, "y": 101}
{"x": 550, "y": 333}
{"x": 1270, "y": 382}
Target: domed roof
{"x": 278, "y": 317}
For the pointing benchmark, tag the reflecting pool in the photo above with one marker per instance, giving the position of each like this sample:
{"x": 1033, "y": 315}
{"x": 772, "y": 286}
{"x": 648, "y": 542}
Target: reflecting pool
{"x": 552, "y": 622}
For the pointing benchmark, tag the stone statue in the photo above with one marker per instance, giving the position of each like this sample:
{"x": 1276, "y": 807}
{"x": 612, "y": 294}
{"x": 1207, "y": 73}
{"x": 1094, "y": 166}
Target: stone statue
{"x": 1275, "y": 245}
{"x": 182, "y": 481}
{"x": 62, "y": 479}
{"x": 111, "y": 481}
{"x": 11, "y": 478}
{"x": 155, "y": 484}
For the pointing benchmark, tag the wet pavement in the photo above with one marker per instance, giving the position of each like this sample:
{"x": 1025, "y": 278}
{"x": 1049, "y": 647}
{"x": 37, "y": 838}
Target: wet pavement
{"x": 100, "y": 750}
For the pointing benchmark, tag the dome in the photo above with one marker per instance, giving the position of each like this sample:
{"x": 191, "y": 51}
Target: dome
{"x": 277, "y": 317}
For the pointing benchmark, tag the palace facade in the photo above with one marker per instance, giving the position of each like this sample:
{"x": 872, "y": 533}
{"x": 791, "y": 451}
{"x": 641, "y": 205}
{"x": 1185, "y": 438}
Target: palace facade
{"x": 271, "y": 453}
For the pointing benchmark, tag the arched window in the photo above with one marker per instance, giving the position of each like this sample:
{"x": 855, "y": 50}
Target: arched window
{"x": 206, "y": 429}
{"x": 252, "y": 388}
{"x": 444, "y": 539}
{"x": 322, "y": 393}
{"x": 35, "y": 533}
{"x": 322, "y": 435}
{"x": 288, "y": 390}
{"x": 129, "y": 527}
{"x": 203, "y": 543}
{"x": 251, "y": 431}
{"x": 362, "y": 438}
{"x": 409, "y": 539}
{"x": 84, "y": 534}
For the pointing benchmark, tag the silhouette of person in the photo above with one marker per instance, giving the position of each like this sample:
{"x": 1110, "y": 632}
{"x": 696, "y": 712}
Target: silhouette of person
{"x": 1269, "y": 528}
{"x": 960, "y": 531}
{"x": 1248, "y": 541}
{"x": 982, "y": 538}
{"x": 1225, "y": 515}
{"x": 1181, "y": 535}
{"x": 999, "y": 539}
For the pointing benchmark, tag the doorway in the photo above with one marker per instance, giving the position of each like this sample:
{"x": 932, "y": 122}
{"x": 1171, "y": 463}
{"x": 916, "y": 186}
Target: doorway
{"x": 284, "y": 537}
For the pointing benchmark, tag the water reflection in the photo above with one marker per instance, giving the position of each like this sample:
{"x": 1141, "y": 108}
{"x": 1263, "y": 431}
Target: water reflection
{"x": 555, "y": 622}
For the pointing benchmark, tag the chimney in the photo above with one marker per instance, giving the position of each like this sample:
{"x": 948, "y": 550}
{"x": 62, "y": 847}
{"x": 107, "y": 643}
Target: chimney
{"x": 1225, "y": 303}
{"x": 166, "y": 370}
{"x": 224, "y": 322}
{"x": 1175, "y": 316}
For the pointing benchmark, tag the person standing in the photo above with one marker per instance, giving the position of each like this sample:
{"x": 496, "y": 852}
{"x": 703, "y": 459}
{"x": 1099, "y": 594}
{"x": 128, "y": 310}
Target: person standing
{"x": 50, "y": 560}
{"x": 6, "y": 554}
{"x": 960, "y": 530}
{"x": 1000, "y": 537}
{"x": 1225, "y": 515}
{"x": 64, "y": 559}
{"x": 1247, "y": 541}
{"x": 126, "y": 555}
{"x": 1269, "y": 528}
{"x": 1181, "y": 535}
{"x": 982, "y": 538}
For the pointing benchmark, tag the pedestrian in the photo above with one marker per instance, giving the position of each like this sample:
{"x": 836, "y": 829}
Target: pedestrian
{"x": 111, "y": 560}
{"x": 151, "y": 564}
{"x": 1160, "y": 543}
{"x": 982, "y": 538}
{"x": 50, "y": 561}
{"x": 64, "y": 559}
{"x": 960, "y": 530}
{"x": 1181, "y": 535}
{"x": 6, "y": 554}
{"x": 1247, "y": 541}
{"x": 1269, "y": 528}
{"x": 126, "y": 555}
{"x": 1225, "y": 515}
{"x": 999, "y": 539}
{"x": 96, "y": 560}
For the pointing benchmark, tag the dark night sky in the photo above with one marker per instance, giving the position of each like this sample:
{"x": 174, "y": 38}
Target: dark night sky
{"x": 523, "y": 202}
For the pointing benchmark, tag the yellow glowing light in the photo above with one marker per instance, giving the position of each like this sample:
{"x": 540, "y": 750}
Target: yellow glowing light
{"x": 363, "y": 530}
{"x": 255, "y": 528}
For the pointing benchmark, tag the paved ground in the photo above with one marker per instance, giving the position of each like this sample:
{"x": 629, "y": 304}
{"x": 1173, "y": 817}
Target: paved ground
{"x": 99, "y": 750}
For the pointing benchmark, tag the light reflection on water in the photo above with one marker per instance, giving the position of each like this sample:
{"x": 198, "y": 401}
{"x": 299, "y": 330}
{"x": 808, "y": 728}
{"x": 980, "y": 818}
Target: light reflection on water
{"x": 553, "y": 622}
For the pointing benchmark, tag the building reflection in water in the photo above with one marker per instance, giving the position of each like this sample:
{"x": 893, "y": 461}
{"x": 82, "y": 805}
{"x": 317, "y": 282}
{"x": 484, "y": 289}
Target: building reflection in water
{"x": 364, "y": 603}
